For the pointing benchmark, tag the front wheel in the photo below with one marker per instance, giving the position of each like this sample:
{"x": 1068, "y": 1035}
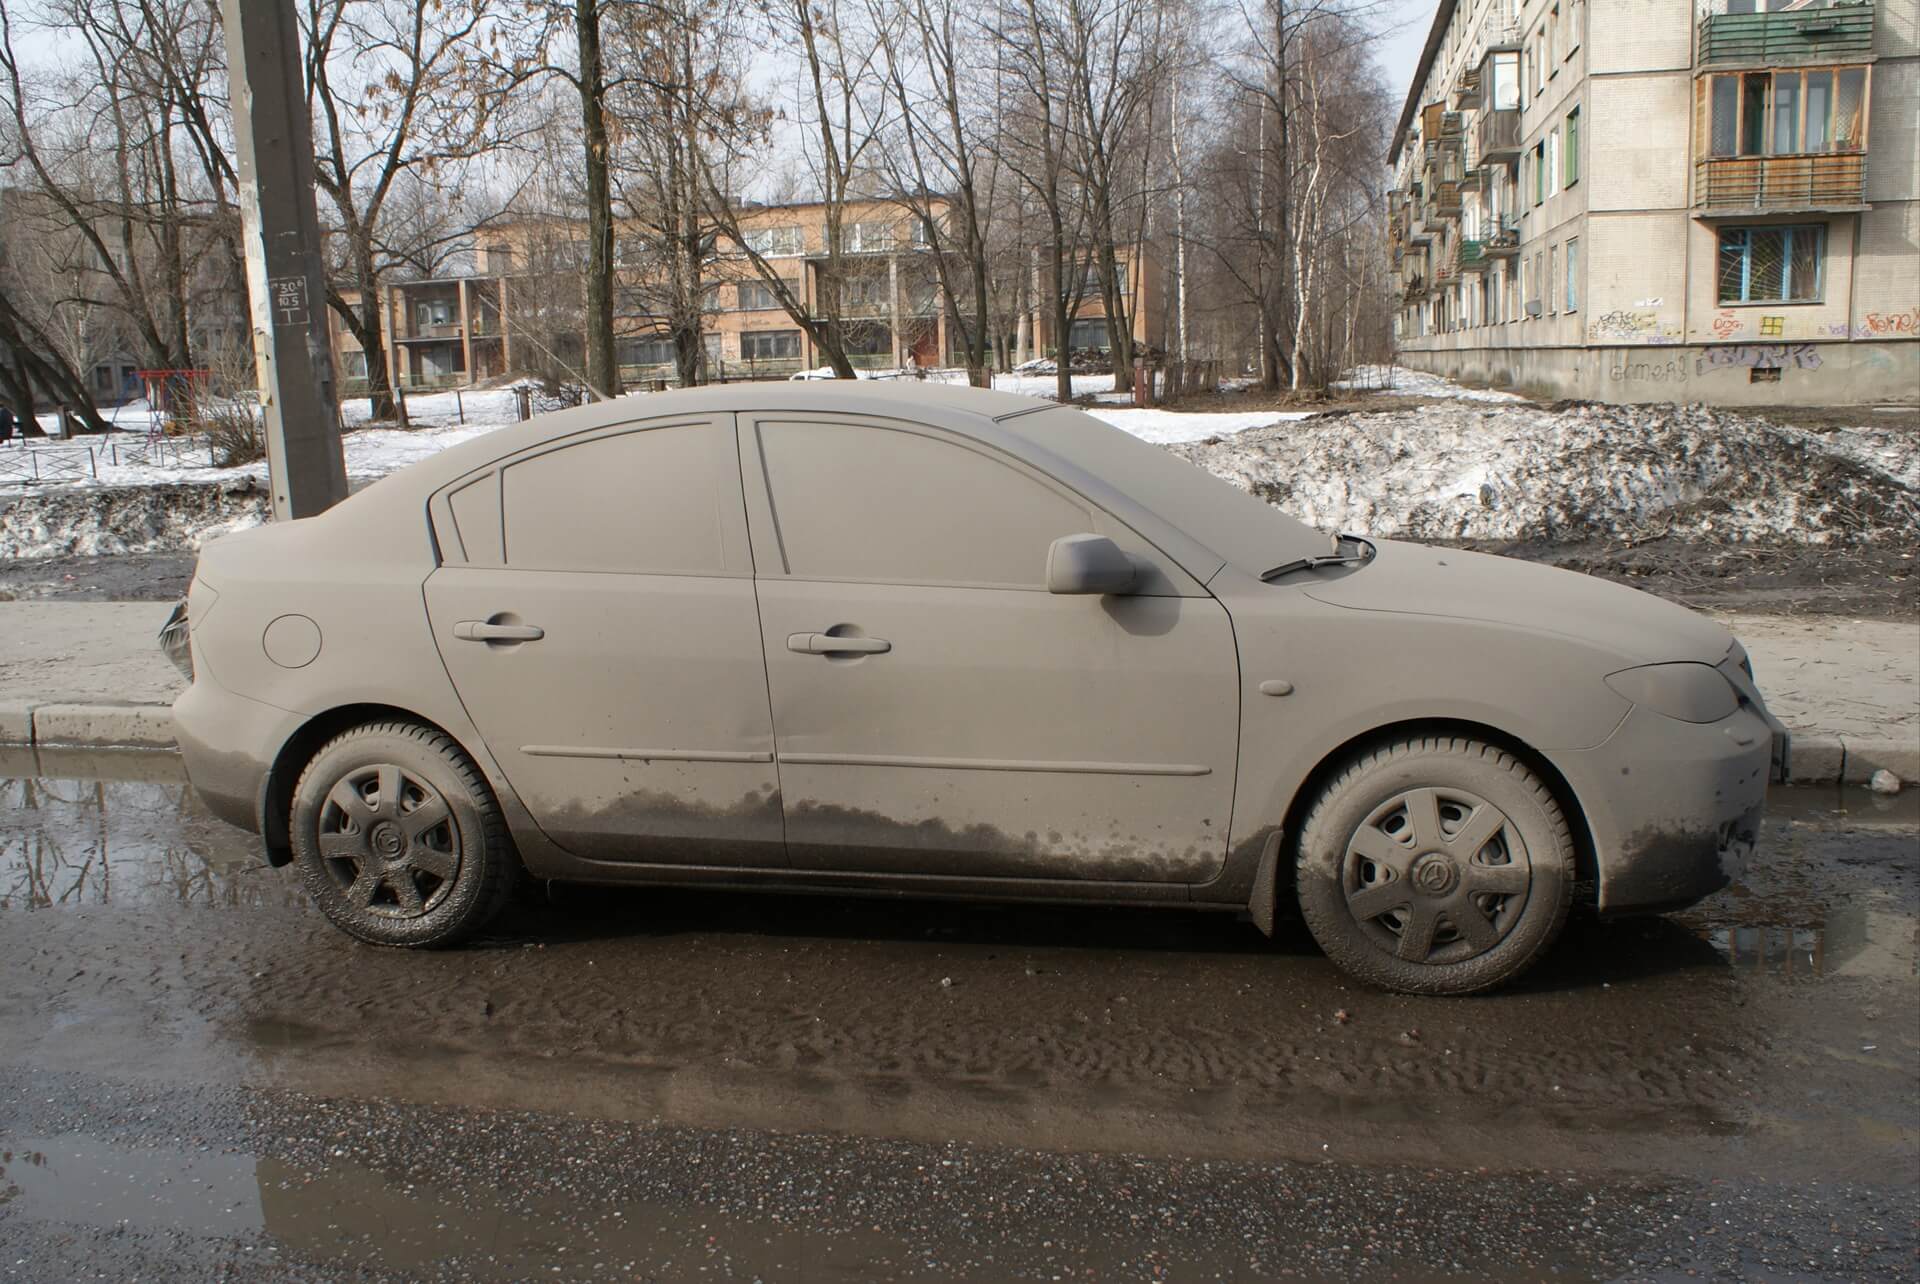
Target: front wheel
{"x": 1437, "y": 865}
{"x": 399, "y": 838}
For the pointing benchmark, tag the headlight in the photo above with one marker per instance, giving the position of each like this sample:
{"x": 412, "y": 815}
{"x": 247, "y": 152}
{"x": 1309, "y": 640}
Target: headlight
{"x": 1687, "y": 691}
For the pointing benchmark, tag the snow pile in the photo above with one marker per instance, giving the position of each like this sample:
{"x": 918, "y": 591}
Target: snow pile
{"x": 1524, "y": 472}
{"x": 1167, "y": 427}
{"x": 1399, "y": 381}
{"x": 98, "y": 521}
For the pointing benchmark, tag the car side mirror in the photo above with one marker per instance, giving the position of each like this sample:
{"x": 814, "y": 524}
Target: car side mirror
{"x": 1089, "y": 564}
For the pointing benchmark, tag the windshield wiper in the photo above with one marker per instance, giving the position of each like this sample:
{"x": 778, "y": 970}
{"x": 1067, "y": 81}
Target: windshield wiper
{"x": 1325, "y": 559}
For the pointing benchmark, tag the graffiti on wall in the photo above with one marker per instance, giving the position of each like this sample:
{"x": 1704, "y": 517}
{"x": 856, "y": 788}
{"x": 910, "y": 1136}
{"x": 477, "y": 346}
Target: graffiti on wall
{"x": 1760, "y": 356}
{"x": 1887, "y": 323}
{"x": 1637, "y": 370}
{"x": 1631, "y": 327}
{"x": 1726, "y": 324}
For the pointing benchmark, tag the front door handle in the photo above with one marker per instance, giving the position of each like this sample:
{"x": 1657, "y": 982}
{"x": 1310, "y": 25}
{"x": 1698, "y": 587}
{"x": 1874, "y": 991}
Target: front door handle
{"x": 482, "y": 631}
{"x": 828, "y": 644}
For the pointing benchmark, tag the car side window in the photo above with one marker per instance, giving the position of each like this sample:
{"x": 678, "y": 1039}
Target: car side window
{"x": 864, "y": 502}
{"x": 641, "y": 502}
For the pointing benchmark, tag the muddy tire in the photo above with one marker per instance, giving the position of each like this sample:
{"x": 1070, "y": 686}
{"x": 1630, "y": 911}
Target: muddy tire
{"x": 1436, "y": 865}
{"x": 399, "y": 838}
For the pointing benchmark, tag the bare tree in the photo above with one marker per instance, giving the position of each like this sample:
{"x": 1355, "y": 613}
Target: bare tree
{"x": 128, "y": 173}
{"x": 402, "y": 93}
{"x": 839, "y": 127}
{"x": 677, "y": 105}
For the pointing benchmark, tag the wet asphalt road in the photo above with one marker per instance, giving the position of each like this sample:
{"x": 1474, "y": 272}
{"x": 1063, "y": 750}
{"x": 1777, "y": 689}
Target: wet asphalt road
{"x": 199, "y": 1080}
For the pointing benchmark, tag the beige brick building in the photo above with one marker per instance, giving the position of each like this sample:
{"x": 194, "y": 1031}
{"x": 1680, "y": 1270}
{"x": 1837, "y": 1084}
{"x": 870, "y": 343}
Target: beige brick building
{"x": 1654, "y": 200}
{"x": 524, "y": 307}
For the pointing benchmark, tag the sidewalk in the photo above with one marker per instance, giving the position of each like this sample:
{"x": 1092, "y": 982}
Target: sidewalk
{"x": 90, "y": 673}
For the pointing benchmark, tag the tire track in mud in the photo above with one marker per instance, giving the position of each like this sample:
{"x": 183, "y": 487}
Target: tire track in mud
{"x": 1039, "y": 1029}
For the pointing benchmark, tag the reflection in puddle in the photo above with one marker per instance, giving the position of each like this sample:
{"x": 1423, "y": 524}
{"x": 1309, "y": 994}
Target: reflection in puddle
{"x": 1866, "y": 939}
{"x": 140, "y": 839}
{"x": 1766, "y": 948}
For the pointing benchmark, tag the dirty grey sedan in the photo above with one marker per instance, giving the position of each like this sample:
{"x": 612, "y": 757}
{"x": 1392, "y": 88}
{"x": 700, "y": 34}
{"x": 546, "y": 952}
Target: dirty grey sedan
{"x": 910, "y": 640}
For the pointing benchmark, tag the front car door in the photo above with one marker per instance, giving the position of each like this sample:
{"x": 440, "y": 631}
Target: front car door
{"x": 936, "y": 710}
{"x": 595, "y": 610}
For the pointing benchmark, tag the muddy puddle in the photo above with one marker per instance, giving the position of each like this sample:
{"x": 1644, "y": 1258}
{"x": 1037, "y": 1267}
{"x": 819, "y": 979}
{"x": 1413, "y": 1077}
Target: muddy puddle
{"x": 122, "y": 829}
{"x": 344, "y": 1213}
{"x": 140, "y": 936}
{"x": 84, "y": 828}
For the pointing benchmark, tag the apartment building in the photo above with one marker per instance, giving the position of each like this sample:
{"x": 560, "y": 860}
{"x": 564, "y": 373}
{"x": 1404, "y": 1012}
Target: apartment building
{"x": 523, "y": 307}
{"x": 1664, "y": 200}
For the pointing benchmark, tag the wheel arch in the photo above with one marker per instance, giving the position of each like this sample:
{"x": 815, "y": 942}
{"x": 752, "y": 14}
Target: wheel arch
{"x": 1586, "y": 863}
{"x": 276, "y": 791}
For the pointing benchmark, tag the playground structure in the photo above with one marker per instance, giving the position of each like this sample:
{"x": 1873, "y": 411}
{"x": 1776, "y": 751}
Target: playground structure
{"x": 174, "y": 397}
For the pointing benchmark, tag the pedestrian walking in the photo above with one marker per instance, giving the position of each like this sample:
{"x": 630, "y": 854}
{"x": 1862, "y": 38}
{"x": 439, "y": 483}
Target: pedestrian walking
{"x": 6, "y": 423}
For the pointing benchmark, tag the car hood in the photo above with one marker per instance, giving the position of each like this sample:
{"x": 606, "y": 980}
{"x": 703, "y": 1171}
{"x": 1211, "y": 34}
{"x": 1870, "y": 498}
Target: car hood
{"x": 1414, "y": 579}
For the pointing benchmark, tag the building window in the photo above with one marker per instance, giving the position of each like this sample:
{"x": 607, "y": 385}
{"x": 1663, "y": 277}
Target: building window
{"x": 1547, "y": 33}
{"x": 1553, "y": 161}
{"x": 353, "y": 365}
{"x": 868, "y": 237}
{"x": 868, "y": 339}
{"x": 866, "y": 294}
{"x": 1090, "y": 332}
{"x": 434, "y": 312}
{"x": 1772, "y": 264}
{"x": 1573, "y": 275}
{"x": 769, "y": 345}
{"x": 1506, "y": 81}
{"x": 1571, "y": 163}
{"x": 757, "y": 296}
{"x": 1553, "y": 274}
{"x": 1779, "y": 113}
{"x": 656, "y": 351}
{"x": 777, "y": 242}
{"x": 1540, "y": 172}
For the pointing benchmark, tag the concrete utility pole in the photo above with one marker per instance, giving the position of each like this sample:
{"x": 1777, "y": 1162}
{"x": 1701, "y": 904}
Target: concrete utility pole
{"x": 285, "y": 281}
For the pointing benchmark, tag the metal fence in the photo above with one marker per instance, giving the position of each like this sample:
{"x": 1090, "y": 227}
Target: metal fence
{"x": 27, "y": 465}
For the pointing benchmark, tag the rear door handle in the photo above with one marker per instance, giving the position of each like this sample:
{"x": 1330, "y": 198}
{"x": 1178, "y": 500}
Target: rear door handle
{"x": 828, "y": 644}
{"x": 481, "y": 631}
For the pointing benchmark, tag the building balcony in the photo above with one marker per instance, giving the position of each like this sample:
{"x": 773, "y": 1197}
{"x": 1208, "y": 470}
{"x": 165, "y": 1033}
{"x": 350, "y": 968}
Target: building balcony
{"x": 1733, "y": 185}
{"x": 1447, "y": 198}
{"x": 431, "y": 333}
{"x": 1502, "y": 244}
{"x": 1472, "y": 256}
{"x": 1498, "y": 135}
{"x": 1838, "y": 33}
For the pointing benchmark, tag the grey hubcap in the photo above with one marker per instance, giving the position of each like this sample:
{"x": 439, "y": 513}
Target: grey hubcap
{"x": 1436, "y": 875}
{"x": 389, "y": 842}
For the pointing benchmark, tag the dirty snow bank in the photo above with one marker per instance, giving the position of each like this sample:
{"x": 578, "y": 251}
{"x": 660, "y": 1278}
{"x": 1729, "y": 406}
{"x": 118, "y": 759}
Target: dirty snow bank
{"x": 1524, "y": 472}
{"x": 96, "y": 521}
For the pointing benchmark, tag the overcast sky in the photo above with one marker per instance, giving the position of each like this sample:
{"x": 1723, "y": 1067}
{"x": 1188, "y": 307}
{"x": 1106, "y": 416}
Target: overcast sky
{"x": 1408, "y": 20}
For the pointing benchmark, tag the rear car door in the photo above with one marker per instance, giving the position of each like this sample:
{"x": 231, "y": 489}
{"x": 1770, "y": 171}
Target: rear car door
{"x": 595, "y": 611}
{"x": 936, "y": 710}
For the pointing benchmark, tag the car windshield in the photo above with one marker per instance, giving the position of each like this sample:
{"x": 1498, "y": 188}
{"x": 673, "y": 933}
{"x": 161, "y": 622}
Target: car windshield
{"x": 1249, "y": 533}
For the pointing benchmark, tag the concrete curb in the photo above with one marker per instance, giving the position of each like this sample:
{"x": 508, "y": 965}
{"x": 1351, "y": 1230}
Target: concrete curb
{"x": 1817, "y": 759}
{"x": 88, "y": 726}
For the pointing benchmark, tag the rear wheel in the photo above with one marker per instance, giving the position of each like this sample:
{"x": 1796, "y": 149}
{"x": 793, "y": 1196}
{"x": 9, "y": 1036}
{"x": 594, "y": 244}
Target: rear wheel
{"x": 399, "y": 838}
{"x": 1439, "y": 865}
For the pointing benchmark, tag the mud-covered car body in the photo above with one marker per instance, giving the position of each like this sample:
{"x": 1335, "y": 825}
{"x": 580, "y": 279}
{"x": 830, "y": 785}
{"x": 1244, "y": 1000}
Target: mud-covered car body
{"x": 802, "y": 636}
